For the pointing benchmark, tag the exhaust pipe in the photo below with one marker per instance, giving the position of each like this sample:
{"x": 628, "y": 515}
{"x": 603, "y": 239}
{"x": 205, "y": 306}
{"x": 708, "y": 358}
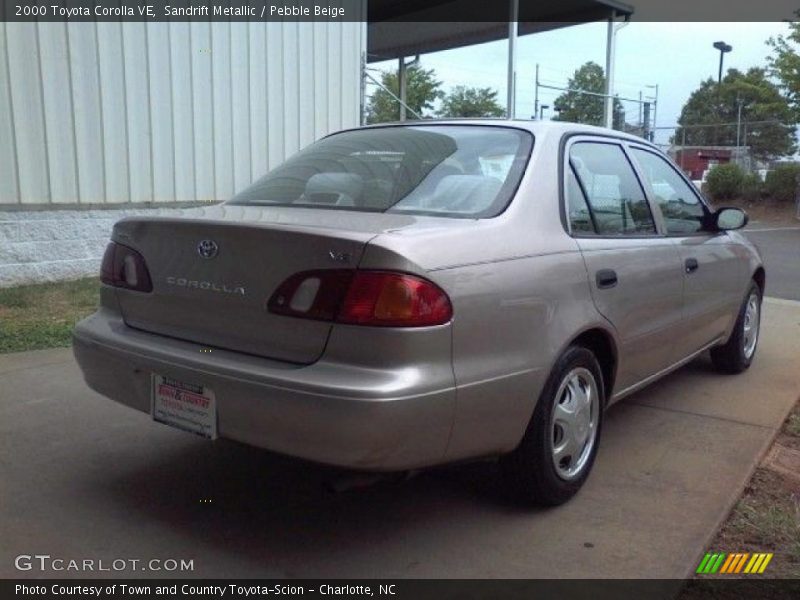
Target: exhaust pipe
{"x": 360, "y": 481}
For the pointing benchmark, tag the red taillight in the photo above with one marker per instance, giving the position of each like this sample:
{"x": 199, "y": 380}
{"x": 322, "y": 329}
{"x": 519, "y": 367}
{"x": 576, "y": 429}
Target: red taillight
{"x": 378, "y": 298}
{"x": 124, "y": 267}
{"x": 394, "y": 300}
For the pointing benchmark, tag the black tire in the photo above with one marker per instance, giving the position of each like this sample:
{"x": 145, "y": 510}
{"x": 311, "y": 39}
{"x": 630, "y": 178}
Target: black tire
{"x": 731, "y": 357}
{"x": 530, "y": 470}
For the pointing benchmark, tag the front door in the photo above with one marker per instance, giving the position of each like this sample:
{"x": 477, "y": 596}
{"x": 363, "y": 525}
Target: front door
{"x": 710, "y": 294}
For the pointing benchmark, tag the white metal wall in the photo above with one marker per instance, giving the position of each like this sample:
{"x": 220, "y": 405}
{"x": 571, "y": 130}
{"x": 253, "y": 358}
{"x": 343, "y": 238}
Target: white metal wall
{"x": 97, "y": 113}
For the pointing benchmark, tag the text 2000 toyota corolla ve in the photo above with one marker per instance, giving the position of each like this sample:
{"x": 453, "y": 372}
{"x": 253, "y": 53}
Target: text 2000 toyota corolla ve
{"x": 402, "y": 296}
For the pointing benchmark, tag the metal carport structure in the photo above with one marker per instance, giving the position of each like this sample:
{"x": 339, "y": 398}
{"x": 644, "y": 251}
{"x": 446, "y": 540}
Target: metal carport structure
{"x": 389, "y": 35}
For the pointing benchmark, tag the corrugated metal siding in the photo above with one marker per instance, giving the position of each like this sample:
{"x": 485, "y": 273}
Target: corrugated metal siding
{"x": 108, "y": 113}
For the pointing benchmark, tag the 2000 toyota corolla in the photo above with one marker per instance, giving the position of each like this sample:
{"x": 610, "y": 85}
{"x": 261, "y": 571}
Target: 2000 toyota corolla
{"x": 402, "y": 296}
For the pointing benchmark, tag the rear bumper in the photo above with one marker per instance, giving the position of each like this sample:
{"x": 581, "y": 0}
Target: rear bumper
{"x": 352, "y": 416}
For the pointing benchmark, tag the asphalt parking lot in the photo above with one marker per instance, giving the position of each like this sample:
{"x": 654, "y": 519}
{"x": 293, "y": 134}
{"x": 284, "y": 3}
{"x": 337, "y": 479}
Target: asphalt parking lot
{"x": 84, "y": 478}
{"x": 780, "y": 247}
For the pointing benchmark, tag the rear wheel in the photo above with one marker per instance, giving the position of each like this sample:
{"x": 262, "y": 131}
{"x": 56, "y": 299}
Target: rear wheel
{"x": 737, "y": 353}
{"x": 558, "y": 450}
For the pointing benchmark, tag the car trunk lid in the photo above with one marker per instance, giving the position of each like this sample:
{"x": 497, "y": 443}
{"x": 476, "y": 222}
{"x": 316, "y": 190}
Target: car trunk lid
{"x": 212, "y": 280}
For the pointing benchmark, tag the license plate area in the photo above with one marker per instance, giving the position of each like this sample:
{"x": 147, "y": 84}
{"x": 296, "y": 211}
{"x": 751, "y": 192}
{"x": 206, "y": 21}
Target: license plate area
{"x": 187, "y": 406}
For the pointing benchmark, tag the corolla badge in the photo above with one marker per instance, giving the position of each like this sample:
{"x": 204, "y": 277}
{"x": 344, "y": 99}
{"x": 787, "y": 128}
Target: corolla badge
{"x": 207, "y": 248}
{"x": 209, "y": 286}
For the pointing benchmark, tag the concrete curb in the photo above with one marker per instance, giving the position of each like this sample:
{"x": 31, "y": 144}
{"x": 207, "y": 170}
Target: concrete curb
{"x": 782, "y": 301}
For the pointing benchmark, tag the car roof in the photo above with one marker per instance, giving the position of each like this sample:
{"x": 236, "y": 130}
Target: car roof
{"x": 539, "y": 128}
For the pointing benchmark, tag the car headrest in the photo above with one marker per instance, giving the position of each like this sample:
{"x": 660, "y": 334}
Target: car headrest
{"x": 465, "y": 193}
{"x": 340, "y": 189}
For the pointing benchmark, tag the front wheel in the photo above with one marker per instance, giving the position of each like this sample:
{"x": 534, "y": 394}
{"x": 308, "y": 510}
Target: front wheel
{"x": 737, "y": 353}
{"x": 558, "y": 450}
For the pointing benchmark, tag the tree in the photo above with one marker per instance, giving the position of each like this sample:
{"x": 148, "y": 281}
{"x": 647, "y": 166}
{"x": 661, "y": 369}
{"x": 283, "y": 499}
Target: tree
{"x": 422, "y": 90}
{"x": 767, "y": 119}
{"x": 784, "y": 63}
{"x": 463, "y": 101}
{"x": 576, "y": 107}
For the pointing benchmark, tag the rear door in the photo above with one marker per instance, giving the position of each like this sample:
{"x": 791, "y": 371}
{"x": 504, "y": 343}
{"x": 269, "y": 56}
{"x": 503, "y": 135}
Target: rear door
{"x": 711, "y": 293}
{"x": 634, "y": 272}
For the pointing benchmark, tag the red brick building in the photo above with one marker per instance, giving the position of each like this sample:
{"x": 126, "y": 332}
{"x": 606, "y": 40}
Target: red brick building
{"x": 694, "y": 160}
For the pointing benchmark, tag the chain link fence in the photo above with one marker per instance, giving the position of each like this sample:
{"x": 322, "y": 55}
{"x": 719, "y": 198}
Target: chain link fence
{"x": 758, "y": 147}
{"x": 755, "y": 146}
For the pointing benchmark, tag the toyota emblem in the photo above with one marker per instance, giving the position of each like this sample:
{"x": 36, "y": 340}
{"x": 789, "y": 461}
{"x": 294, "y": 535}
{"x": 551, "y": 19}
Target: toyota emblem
{"x": 207, "y": 248}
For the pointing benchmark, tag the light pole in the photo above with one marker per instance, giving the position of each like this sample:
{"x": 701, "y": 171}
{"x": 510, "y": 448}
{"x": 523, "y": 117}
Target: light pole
{"x": 723, "y": 48}
{"x": 655, "y": 110}
{"x": 740, "y": 102}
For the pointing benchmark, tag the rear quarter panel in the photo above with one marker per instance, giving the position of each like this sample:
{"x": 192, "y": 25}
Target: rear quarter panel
{"x": 512, "y": 320}
{"x": 520, "y": 295}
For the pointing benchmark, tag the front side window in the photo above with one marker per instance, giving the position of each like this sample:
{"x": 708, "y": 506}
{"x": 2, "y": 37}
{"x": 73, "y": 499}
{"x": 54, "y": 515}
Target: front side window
{"x": 683, "y": 212}
{"x": 442, "y": 170}
{"x": 616, "y": 200}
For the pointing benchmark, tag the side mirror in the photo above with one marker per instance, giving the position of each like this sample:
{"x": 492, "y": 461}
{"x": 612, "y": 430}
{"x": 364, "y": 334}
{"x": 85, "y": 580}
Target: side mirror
{"x": 729, "y": 218}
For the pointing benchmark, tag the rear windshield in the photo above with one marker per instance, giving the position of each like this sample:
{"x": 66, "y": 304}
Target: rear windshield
{"x": 444, "y": 170}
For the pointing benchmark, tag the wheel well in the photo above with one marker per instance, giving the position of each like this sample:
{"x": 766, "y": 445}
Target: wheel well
{"x": 760, "y": 277}
{"x": 602, "y": 346}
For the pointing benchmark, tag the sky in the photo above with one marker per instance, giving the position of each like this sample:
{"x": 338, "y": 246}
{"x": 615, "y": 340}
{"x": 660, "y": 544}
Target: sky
{"x": 675, "y": 56}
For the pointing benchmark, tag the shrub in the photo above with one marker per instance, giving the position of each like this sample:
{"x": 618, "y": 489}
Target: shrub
{"x": 724, "y": 182}
{"x": 752, "y": 187}
{"x": 781, "y": 182}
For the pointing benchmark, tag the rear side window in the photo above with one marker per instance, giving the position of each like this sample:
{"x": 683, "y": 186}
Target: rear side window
{"x": 682, "y": 210}
{"x": 614, "y": 196}
{"x": 443, "y": 170}
{"x": 580, "y": 218}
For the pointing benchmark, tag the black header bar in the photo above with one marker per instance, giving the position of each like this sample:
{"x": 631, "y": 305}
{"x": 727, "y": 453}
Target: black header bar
{"x": 720, "y": 588}
{"x": 406, "y": 11}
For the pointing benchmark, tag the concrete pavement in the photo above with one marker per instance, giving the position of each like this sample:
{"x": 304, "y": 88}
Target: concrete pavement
{"x": 83, "y": 477}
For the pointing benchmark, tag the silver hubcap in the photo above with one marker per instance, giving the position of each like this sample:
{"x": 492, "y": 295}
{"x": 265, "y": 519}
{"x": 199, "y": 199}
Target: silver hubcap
{"x": 573, "y": 424}
{"x": 752, "y": 321}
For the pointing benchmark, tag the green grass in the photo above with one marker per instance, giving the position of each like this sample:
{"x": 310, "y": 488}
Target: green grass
{"x": 770, "y": 519}
{"x": 767, "y": 516}
{"x": 33, "y": 317}
{"x": 793, "y": 424}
